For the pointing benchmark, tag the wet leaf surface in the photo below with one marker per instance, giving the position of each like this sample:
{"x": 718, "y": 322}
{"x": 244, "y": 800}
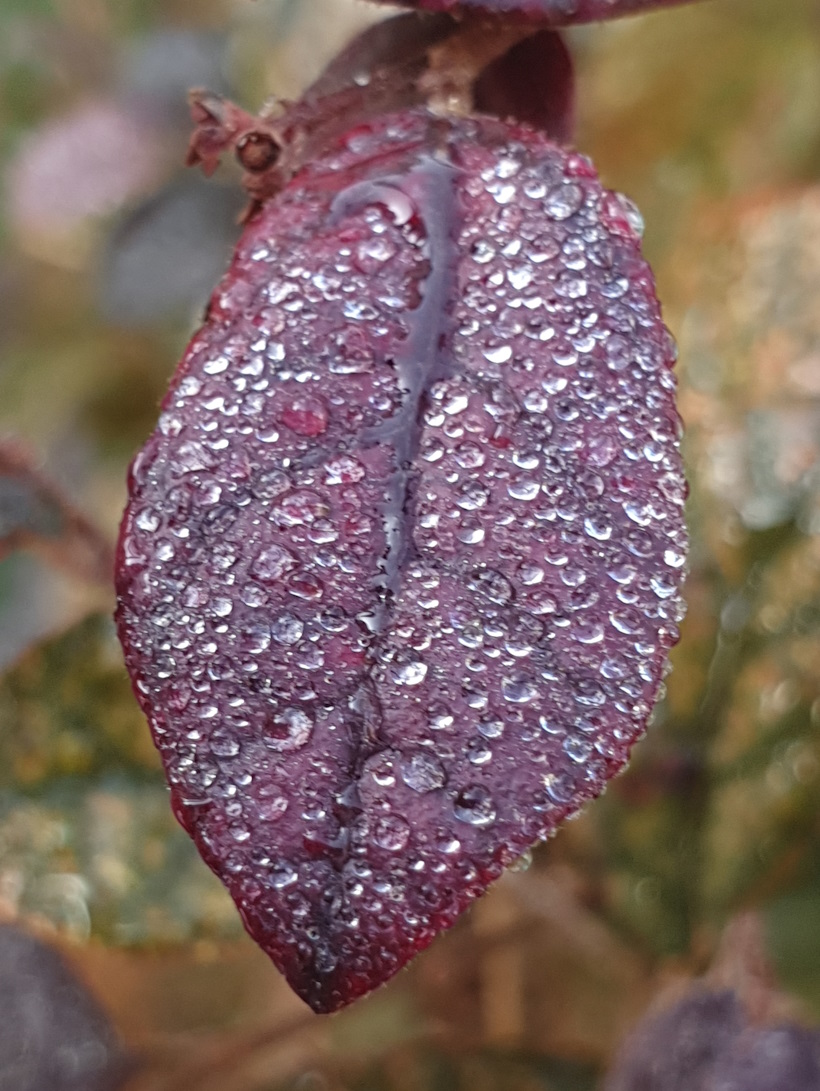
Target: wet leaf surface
{"x": 401, "y": 564}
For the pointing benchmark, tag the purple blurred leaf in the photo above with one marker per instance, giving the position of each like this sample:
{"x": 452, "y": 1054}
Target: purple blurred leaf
{"x": 784, "y": 1058}
{"x": 161, "y": 260}
{"x": 676, "y": 1049}
{"x": 85, "y": 164}
{"x": 35, "y": 515}
{"x": 548, "y": 12}
{"x": 53, "y": 1036}
{"x": 706, "y": 1042}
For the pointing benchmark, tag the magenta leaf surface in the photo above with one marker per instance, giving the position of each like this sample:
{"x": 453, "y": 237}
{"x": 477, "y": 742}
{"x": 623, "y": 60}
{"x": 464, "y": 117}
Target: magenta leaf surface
{"x": 400, "y": 566}
{"x": 547, "y": 12}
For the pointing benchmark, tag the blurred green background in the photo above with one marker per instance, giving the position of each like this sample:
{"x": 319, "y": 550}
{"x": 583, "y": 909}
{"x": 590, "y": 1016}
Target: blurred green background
{"x": 707, "y": 116}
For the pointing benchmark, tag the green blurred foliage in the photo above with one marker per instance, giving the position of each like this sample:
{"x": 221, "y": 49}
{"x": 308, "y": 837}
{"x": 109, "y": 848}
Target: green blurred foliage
{"x": 87, "y": 839}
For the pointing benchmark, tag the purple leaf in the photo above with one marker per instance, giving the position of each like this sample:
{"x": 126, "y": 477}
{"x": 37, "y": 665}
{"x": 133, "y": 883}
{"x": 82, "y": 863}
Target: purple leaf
{"x": 400, "y": 566}
{"x": 548, "y": 12}
{"x": 531, "y": 83}
{"x": 399, "y": 46}
{"x": 35, "y": 515}
{"x": 676, "y": 1049}
{"x": 52, "y": 1033}
{"x": 707, "y": 1042}
{"x": 785, "y": 1058}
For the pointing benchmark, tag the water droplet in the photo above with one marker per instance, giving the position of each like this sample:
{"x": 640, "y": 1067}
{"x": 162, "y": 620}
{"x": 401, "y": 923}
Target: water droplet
{"x": 272, "y": 563}
{"x": 641, "y": 514}
{"x": 675, "y": 558}
{"x": 272, "y": 809}
{"x": 598, "y": 527}
{"x": 469, "y": 456}
{"x": 478, "y": 752}
{"x": 283, "y": 875}
{"x": 474, "y": 805}
{"x": 372, "y": 254}
{"x": 343, "y": 470}
{"x": 411, "y": 673}
{"x": 445, "y": 842}
{"x": 588, "y": 632}
{"x": 530, "y": 574}
{"x": 492, "y": 585}
{"x": 287, "y": 629}
{"x": 381, "y": 768}
{"x": 523, "y": 488}
{"x": 306, "y": 587}
{"x": 521, "y": 277}
{"x": 222, "y": 746}
{"x": 147, "y": 520}
{"x": 577, "y": 750}
{"x": 491, "y": 729}
{"x": 563, "y": 200}
{"x": 391, "y": 832}
{"x": 289, "y": 729}
{"x": 518, "y": 690}
{"x": 300, "y": 508}
{"x": 422, "y": 772}
{"x": 306, "y": 415}
{"x": 498, "y": 355}
{"x": 255, "y": 639}
{"x": 523, "y": 863}
{"x": 632, "y": 214}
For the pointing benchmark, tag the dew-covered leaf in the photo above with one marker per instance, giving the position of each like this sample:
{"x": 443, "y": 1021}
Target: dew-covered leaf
{"x": 549, "y": 12}
{"x": 401, "y": 563}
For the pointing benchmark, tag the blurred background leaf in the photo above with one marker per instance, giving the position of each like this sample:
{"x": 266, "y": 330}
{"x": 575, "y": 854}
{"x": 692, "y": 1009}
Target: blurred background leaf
{"x": 87, "y": 839}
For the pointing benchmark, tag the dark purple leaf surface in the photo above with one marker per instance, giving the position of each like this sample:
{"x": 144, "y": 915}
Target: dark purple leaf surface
{"x": 706, "y": 1042}
{"x": 52, "y": 1033}
{"x": 676, "y": 1049}
{"x": 34, "y": 514}
{"x": 401, "y": 562}
{"x": 548, "y": 12}
{"x": 531, "y": 83}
